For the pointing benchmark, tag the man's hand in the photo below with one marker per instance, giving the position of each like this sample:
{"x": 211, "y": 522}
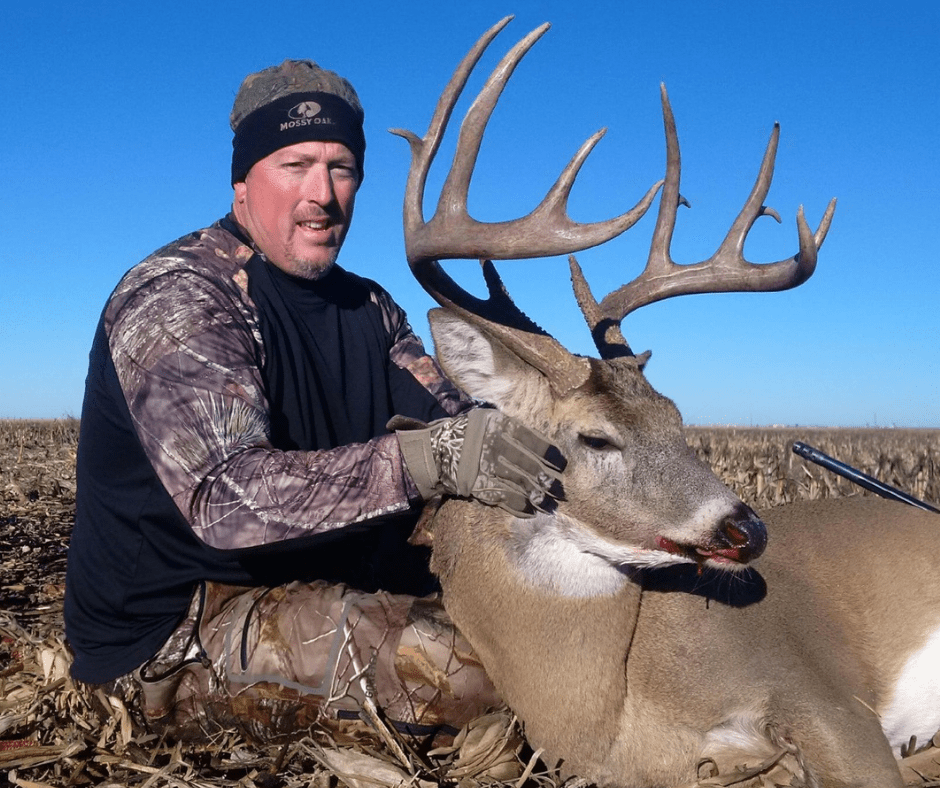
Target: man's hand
{"x": 482, "y": 454}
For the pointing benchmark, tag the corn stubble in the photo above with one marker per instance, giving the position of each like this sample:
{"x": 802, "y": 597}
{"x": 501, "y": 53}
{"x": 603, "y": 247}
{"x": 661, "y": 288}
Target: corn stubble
{"x": 758, "y": 464}
{"x": 54, "y": 733}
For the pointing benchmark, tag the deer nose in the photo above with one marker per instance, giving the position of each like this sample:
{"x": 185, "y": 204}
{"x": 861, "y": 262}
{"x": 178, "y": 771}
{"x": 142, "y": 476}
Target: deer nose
{"x": 741, "y": 536}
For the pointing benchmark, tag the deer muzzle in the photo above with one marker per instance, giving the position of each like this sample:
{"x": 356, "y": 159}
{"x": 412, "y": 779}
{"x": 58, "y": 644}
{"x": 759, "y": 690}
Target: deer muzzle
{"x": 739, "y": 538}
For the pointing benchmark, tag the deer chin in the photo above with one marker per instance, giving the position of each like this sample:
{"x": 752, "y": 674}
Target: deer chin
{"x": 566, "y": 556}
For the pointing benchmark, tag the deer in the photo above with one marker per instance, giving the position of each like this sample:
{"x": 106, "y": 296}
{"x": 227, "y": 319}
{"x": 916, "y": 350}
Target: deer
{"x": 651, "y": 629}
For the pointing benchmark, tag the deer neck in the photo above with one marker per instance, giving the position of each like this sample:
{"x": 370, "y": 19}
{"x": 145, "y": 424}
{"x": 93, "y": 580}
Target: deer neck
{"x": 531, "y": 626}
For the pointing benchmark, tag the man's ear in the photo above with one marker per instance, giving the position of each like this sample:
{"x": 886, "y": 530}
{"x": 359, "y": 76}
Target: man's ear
{"x": 241, "y": 192}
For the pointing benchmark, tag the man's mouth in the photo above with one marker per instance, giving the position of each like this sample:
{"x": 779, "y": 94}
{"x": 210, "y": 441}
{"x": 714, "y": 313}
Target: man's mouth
{"x": 315, "y": 224}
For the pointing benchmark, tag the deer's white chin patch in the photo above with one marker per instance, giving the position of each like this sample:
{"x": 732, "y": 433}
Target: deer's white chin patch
{"x": 561, "y": 555}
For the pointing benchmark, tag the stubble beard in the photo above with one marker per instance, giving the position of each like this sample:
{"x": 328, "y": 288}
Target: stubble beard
{"x": 311, "y": 268}
{"x": 306, "y": 268}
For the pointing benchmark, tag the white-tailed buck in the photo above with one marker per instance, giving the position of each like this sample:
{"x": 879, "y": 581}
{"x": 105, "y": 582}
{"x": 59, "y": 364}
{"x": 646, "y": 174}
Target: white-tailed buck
{"x": 641, "y": 631}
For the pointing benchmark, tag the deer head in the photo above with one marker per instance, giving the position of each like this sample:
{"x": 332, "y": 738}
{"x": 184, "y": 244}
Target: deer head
{"x": 635, "y": 494}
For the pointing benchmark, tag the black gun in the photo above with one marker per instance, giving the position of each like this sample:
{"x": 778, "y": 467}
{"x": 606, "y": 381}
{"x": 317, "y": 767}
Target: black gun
{"x": 862, "y": 479}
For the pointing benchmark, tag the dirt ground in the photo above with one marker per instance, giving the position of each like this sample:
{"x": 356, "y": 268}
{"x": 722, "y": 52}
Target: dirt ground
{"x": 54, "y": 734}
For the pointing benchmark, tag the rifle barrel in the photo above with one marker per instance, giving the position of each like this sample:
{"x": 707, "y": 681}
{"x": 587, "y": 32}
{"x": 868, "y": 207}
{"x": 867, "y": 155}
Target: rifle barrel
{"x": 861, "y": 479}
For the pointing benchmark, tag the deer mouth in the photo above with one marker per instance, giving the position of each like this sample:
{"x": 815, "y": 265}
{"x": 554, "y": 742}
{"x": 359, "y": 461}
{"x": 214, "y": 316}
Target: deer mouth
{"x": 729, "y": 556}
{"x": 739, "y": 539}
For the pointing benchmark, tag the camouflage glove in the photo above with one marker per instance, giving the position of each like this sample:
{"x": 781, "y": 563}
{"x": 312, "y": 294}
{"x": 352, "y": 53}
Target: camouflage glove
{"x": 484, "y": 455}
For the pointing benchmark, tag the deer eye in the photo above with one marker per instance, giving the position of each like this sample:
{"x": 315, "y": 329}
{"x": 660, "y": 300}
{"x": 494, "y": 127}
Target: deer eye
{"x": 597, "y": 442}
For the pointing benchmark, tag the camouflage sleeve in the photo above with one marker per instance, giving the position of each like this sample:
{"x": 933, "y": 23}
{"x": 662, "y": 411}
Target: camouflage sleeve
{"x": 188, "y": 356}
{"x": 408, "y": 352}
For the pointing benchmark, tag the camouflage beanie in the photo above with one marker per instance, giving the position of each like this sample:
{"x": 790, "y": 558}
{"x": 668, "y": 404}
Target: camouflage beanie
{"x": 293, "y": 102}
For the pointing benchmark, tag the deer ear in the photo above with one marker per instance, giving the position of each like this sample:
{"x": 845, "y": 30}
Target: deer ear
{"x": 479, "y": 364}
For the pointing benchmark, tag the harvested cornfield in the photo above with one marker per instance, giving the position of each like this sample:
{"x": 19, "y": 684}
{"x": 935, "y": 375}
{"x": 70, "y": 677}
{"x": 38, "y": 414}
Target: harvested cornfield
{"x": 760, "y": 466}
{"x": 54, "y": 734}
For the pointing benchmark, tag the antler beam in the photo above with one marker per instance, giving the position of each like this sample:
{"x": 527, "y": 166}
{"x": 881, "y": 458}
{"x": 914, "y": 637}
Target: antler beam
{"x": 451, "y": 232}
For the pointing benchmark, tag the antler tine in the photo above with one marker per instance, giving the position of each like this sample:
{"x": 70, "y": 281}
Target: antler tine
{"x": 607, "y": 336}
{"x": 726, "y": 270}
{"x": 424, "y": 150}
{"x": 452, "y": 204}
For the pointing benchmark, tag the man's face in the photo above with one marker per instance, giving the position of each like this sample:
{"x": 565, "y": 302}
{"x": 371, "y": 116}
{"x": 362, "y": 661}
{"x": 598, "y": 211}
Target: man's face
{"x": 297, "y": 204}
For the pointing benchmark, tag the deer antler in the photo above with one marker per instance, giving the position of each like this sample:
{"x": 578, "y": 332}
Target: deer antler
{"x": 452, "y": 233}
{"x": 725, "y": 271}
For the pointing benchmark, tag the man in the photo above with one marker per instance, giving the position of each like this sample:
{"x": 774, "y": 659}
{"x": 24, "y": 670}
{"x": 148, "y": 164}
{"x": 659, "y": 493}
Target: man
{"x": 240, "y": 548}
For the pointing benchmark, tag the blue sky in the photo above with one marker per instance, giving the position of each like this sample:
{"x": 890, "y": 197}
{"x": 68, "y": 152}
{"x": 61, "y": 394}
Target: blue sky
{"x": 116, "y": 141}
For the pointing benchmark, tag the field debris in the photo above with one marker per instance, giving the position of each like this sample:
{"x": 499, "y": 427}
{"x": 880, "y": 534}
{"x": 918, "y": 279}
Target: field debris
{"x": 54, "y": 733}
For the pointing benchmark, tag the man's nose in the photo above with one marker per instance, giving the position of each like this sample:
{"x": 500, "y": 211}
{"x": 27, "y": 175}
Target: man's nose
{"x": 318, "y": 185}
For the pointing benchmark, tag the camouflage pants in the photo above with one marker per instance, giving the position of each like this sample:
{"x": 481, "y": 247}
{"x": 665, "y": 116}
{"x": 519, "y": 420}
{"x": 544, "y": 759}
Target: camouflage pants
{"x": 275, "y": 661}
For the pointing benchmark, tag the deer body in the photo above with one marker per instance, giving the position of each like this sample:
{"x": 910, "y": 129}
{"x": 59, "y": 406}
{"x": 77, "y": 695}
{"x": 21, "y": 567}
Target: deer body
{"x": 634, "y": 676}
{"x": 637, "y": 687}
{"x": 636, "y": 625}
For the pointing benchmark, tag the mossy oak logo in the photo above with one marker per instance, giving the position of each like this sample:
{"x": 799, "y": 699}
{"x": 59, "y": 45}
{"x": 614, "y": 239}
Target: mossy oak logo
{"x": 305, "y": 109}
{"x": 306, "y": 113}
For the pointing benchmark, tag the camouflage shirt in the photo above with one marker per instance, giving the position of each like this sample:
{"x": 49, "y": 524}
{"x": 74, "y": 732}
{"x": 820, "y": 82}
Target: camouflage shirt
{"x": 180, "y": 341}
